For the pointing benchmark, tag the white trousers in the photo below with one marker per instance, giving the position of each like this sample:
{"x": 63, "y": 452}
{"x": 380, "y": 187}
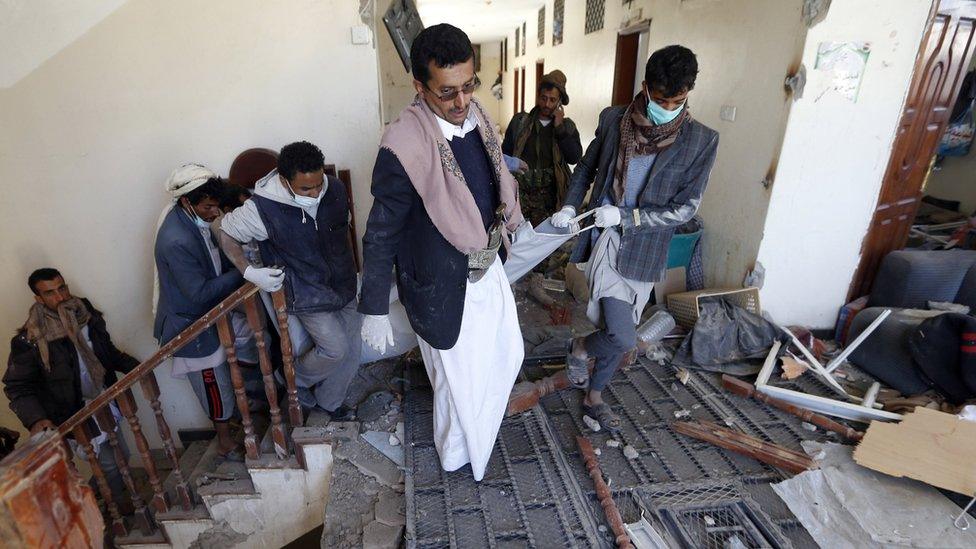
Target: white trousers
{"x": 472, "y": 381}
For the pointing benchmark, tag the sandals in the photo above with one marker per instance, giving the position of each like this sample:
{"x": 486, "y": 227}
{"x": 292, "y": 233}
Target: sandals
{"x": 604, "y": 416}
{"x": 577, "y": 368}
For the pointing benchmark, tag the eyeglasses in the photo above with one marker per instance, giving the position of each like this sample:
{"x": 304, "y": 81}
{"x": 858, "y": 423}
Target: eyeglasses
{"x": 466, "y": 89}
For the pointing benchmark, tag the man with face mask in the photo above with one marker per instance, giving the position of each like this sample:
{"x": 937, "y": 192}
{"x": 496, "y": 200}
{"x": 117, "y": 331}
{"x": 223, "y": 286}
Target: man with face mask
{"x": 443, "y": 199}
{"x": 648, "y": 167}
{"x": 548, "y": 142}
{"x": 193, "y": 277}
{"x": 299, "y": 218}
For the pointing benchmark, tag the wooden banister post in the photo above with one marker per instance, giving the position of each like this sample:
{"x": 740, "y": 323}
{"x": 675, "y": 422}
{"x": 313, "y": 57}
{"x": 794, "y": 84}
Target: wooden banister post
{"x": 277, "y": 429}
{"x": 226, "y": 333}
{"x": 150, "y": 390}
{"x": 127, "y": 404}
{"x": 106, "y": 422}
{"x": 84, "y": 439}
{"x": 287, "y": 360}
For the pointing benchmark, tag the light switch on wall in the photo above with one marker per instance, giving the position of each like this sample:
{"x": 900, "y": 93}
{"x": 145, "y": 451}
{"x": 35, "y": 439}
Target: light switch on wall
{"x": 727, "y": 113}
{"x": 360, "y": 34}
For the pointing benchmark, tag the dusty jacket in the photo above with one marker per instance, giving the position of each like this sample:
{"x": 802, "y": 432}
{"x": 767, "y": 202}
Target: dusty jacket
{"x": 37, "y": 394}
{"x": 670, "y": 198}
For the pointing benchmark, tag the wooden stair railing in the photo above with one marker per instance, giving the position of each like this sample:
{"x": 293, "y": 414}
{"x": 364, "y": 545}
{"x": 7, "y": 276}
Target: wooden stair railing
{"x": 84, "y": 425}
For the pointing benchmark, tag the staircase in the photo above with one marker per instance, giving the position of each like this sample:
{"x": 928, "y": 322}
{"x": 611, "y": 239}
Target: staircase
{"x": 264, "y": 502}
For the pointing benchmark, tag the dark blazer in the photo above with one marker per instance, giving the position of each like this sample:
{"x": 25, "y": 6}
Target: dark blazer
{"x": 36, "y": 393}
{"x": 431, "y": 274}
{"x": 188, "y": 285}
{"x": 671, "y": 197}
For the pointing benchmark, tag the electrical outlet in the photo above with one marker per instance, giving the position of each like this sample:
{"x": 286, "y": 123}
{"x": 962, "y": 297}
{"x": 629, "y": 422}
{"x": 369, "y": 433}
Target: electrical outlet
{"x": 727, "y": 113}
{"x": 360, "y": 34}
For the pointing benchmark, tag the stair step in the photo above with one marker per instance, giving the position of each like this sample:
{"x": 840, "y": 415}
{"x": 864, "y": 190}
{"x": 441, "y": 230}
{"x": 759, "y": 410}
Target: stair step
{"x": 229, "y": 478}
{"x": 137, "y": 539}
{"x": 188, "y": 461}
{"x": 205, "y": 464}
{"x": 177, "y": 513}
{"x": 267, "y": 442}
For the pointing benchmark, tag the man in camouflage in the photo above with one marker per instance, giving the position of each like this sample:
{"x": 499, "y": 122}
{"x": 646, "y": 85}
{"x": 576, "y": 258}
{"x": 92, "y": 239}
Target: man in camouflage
{"x": 548, "y": 143}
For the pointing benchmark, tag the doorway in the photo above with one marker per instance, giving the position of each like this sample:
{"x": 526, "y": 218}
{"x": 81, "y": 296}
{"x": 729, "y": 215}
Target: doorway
{"x": 540, "y": 71}
{"x": 522, "y": 91}
{"x": 940, "y": 69}
{"x": 629, "y": 62}
{"x": 515, "y": 95}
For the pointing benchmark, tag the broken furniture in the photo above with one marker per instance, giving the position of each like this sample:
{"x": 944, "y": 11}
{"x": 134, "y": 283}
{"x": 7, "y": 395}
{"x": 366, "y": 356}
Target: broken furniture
{"x": 43, "y": 501}
{"x": 863, "y": 410}
{"x": 906, "y": 282}
{"x": 930, "y": 446}
{"x": 603, "y": 493}
{"x": 766, "y": 452}
{"x": 747, "y": 390}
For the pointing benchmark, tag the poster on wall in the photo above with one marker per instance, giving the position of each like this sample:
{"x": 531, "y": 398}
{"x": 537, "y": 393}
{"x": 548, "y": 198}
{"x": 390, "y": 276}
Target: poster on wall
{"x": 845, "y": 61}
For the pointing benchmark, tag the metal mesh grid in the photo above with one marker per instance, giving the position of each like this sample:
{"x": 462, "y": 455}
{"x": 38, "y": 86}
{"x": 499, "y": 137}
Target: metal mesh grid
{"x": 595, "y": 12}
{"x": 537, "y": 493}
{"x": 525, "y": 500}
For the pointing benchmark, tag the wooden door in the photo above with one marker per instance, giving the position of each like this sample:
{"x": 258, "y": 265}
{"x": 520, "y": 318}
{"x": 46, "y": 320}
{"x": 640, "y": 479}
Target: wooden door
{"x": 522, "y": 91}
{"x": 515, "y": 94}
{"x": 540, "y": 71}
{"x": 939, "y": 71}
{"x": 625, "y": 68}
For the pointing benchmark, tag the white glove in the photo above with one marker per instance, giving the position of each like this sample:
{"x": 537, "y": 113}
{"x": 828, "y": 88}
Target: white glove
{"x": 266, "y": 278}
{"x": 377, "y": 332}
{"x": 607, "y": 216}
{"x": 561, "y": 219}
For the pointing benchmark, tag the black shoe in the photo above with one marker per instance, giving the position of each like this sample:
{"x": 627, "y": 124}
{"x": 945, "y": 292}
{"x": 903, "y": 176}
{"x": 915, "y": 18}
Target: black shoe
{"x": 342, "y": 413}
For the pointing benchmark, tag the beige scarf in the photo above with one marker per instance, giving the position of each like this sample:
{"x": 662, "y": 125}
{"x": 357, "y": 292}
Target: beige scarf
{"x": 417, "y": 141}
{"x": 44, "y": 326}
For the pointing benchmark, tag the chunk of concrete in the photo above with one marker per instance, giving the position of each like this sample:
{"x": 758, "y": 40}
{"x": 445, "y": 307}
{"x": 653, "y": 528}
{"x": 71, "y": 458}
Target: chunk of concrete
{"x": 374, "y": 406}
{"x": 391, "y": 508}
{"x": 377, "y": 535}
{"x": 383, "y": 442}
{"x": 370, "y": 461}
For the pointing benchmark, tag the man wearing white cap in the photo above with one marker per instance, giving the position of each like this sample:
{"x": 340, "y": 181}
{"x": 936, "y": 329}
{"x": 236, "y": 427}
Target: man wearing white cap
{"x": 193, "y": 277}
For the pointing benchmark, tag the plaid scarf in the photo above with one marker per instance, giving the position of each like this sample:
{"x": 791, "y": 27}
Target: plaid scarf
{"x": 640, "y": 136}
{"x": 44, "y": 326}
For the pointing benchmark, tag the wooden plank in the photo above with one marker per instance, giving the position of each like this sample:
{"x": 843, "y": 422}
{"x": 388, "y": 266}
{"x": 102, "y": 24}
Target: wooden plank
{"x": 930, "y": 446}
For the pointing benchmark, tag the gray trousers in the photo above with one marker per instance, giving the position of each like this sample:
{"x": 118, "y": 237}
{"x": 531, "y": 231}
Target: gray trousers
{"x": 329, "y": 366}
{"x": 609, "y": 345}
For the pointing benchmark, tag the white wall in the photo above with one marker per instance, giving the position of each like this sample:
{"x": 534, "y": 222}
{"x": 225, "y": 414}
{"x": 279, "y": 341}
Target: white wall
{"x": 88, "y": 138}
{"x": 833, "y": 161}
{"x": 31, "y": 31}
{"x": 490, "y": 65}
{"x": 745, "y": 50}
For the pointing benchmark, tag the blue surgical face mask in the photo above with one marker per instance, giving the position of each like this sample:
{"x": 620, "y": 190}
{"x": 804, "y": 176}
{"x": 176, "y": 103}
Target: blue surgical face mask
{"x": 306, "y": 201}
{"x": 659, "y": 115}
{"x": 197, "y": 220}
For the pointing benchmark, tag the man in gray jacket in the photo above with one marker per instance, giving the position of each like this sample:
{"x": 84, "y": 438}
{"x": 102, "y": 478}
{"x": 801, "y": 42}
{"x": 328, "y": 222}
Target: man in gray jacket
{"x": 648, "y": 167}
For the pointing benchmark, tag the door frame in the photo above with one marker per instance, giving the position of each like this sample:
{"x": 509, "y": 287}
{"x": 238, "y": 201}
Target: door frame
{"x": 877, "y": 243}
